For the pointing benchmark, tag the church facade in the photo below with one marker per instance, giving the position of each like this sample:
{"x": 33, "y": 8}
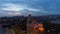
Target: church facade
{"x": 34, "y": 27}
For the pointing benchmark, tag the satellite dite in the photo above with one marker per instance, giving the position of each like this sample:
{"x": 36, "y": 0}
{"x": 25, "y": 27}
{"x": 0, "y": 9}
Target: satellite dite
{"x": 33, "y": 27}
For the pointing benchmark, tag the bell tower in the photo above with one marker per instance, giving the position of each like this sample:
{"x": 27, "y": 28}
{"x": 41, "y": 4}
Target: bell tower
{"x": 28, "y": 22}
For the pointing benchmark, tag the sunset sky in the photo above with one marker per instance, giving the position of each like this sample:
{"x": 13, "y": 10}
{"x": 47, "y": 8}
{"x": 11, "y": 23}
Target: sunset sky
{"x": 25, "y": 7}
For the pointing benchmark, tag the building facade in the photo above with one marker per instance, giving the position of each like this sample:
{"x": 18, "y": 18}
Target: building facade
{"x": 34, "y": 27}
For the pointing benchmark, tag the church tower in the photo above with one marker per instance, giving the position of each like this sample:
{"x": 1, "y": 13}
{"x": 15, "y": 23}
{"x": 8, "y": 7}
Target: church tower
{"x": 29, "y": 19}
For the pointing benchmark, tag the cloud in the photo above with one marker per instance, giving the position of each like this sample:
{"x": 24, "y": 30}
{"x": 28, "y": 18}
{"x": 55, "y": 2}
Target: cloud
{"x": 14, "y": 14}
{"x": 12, "y": 7}
{"x": 32, "y": 6}
{"x": 15, "y": 9}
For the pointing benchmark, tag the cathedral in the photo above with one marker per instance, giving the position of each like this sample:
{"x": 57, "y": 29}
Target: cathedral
{"x": 33, "y": 27}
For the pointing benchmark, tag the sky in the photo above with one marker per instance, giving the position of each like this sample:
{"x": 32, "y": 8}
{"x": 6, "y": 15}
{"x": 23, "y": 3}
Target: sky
{"x": 25, "y": 7}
